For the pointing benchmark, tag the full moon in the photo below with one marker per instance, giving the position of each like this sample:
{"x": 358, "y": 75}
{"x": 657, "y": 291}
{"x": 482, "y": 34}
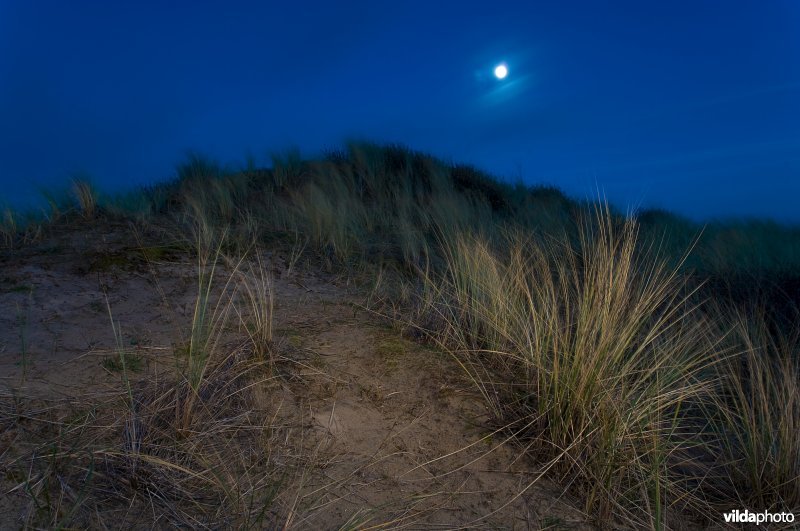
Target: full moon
{"x": 500, "y": 71}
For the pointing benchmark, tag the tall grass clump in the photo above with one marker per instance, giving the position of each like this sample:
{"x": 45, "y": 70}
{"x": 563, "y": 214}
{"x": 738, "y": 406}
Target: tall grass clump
{"x": 58, "y": 202}
{"x": 588, "y": 351}
{"x": 286, "y": 168}
{"x": 760, "y": 413}
{"x": 331, "y": 217}
{"x": 9, "y": 228}
{"x": 16, "y": 229}
{"x": 255, "y": 308}
{"x": 211, "y": 309}
{"x": 86, "y": 197}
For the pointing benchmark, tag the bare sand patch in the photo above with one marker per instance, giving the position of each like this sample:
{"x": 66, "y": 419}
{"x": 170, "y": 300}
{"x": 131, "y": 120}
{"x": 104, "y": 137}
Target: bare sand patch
{"x": 371, "y": 428}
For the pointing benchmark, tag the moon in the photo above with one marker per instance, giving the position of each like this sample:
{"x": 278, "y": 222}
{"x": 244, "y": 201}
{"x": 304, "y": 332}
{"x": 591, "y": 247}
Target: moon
{"x": 501, "y": 71}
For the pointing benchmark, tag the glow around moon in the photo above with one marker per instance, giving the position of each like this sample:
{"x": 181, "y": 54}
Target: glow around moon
{"x": 501, "y": 71}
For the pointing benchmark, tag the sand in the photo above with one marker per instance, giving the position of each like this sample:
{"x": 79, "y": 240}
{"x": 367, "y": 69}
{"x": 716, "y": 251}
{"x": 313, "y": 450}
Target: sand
{"x": 390, "y": 431}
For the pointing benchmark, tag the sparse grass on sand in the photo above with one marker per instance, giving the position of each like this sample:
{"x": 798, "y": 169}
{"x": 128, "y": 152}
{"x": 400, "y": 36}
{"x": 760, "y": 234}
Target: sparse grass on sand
{"x": 185, "y": 448}
{"x": 651, "y": 382}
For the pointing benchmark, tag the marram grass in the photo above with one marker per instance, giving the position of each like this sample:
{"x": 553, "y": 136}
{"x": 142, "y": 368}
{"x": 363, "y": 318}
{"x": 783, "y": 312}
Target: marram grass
{"x": 591, "y": 354}
{"x": 600, "y": 356}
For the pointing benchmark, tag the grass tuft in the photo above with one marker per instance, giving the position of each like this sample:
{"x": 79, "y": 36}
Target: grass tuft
{"x": 589, "y": 353}
{"x": 759, "y": 408}
{"x": 86, "y": 197}
{"x": 256, "y": 306}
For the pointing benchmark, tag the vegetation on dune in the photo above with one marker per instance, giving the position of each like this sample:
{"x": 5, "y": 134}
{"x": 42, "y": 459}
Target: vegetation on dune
{"x": 649, "y": 362}
{"x": 185, "y": 448}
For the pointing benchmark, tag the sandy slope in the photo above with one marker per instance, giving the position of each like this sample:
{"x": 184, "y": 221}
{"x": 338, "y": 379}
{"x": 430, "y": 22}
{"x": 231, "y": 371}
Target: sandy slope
{"x": 390, "y": 429}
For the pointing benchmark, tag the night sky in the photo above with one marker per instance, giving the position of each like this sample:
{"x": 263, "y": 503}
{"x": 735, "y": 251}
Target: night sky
{"x": 691, "y": 106}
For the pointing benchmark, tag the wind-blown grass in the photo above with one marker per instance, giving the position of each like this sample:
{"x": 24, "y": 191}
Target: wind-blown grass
{"x": 591, "y": 355}
{"x": 592, "y": 336}
{"x": 759, "y": 407}
{"x": 86, "y": 197}
{"x": 255, "y": 308}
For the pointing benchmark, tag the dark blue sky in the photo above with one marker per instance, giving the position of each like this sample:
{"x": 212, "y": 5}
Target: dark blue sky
{"x": 692, "y": 106}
